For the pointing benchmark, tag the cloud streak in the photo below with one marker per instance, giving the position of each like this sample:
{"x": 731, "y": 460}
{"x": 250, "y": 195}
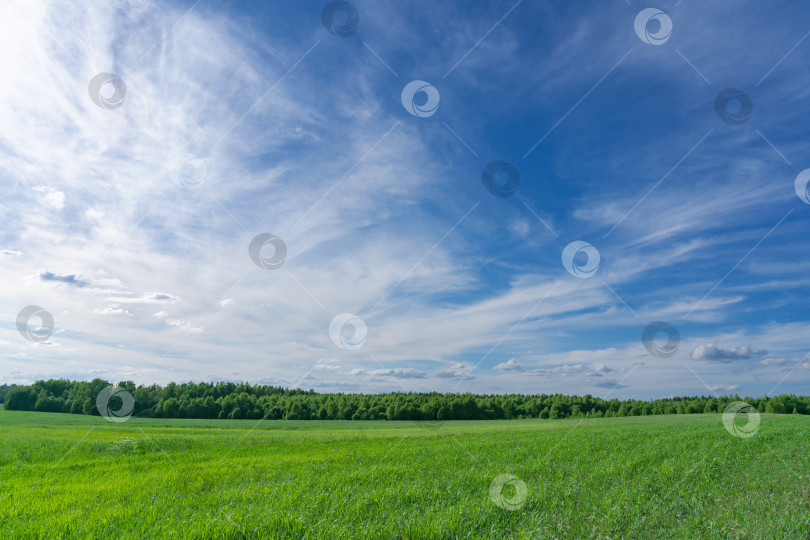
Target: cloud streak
{"x": 136, "y": 268}
{"x": 712, "y": 353}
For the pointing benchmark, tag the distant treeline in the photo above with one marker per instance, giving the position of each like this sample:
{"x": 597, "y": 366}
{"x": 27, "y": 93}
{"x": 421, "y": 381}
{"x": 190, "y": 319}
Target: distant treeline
{"x": 4, "y": 388}
{"x": 238, "y": 401}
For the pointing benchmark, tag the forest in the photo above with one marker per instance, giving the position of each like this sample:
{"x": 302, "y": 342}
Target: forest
{"x": 245, "y": 401}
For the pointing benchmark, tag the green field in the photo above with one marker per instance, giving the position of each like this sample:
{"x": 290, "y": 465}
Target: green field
{"x": 680, "y": 476}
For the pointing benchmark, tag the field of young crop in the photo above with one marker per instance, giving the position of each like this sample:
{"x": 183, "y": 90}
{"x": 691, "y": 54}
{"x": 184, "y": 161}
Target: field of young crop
{"x": 678, "y": 476}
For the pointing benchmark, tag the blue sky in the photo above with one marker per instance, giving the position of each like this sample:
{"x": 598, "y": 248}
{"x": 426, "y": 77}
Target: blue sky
{"x": 131, "y": 224}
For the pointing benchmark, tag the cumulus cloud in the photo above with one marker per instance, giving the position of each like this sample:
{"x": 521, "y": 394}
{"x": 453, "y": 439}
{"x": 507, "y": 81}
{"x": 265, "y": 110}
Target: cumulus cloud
{"x": 712, "y": 353}
{"x": 53, "y": 197}
{"x": 510, "y": 365}
{"x": 601, "y": 369}
{"x": 457, "y": 371}
{"x": 11, "y": 253}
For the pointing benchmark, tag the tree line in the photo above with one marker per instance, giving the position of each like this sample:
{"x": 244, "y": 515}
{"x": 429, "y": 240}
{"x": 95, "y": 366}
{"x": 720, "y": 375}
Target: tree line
{"x": 227, "y": 400}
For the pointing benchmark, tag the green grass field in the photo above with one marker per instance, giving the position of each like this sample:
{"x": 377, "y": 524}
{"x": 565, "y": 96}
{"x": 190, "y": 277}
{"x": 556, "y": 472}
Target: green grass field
{"x": 639, "y": 477}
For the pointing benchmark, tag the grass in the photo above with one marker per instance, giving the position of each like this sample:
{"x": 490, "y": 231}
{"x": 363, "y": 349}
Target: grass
{"x": 640, "y": 477}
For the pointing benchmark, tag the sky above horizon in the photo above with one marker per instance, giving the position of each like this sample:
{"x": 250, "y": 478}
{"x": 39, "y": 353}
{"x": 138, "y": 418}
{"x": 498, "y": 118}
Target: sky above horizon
{"x": 494, "y": 197}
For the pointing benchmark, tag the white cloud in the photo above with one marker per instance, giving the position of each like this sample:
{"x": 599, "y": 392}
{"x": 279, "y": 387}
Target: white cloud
{"x": 53, "y": 198}
{"x": 326, "y": 367}
{"x": 713, "y": 353}
{"x": 457, "y": 371}
{"x": 724, "y": 388}
{"x": 779, "y": 361}
{"x": 348, "y": 203}
{"x": 399, "y": 373}
{"x": 793, "y": 363}
{"x": 563, "y": 371}
{"x": 111, "y": 310}
{"x": 183, "y": 325}
{"x": 510, "y": 365}
{"x": 520, "y": 227}
{"x": 146, "y": 298}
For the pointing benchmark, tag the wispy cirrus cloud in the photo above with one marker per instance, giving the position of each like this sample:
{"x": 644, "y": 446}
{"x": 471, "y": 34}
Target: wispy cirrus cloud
{"x": 145, "y": 298}
{"x": 398, "y": 373}
{"x": 383, "y": 213}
